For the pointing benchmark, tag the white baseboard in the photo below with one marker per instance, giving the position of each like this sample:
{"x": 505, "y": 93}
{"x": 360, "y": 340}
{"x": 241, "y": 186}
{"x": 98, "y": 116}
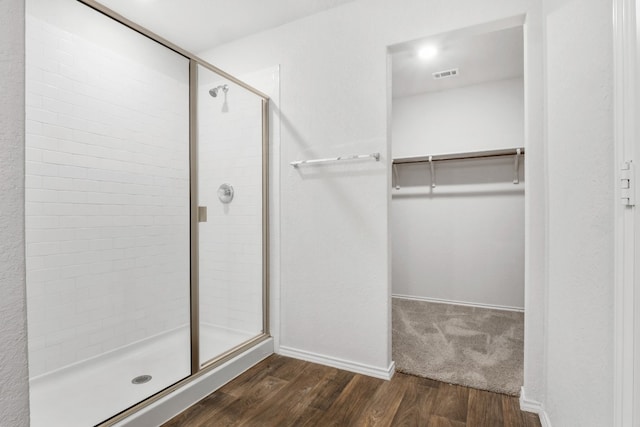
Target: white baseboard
{"x": 535, "y": 407}
{"x": 464, "y": 303}
{"x": 544, "y": 419}
{"x": 334, "y": 362}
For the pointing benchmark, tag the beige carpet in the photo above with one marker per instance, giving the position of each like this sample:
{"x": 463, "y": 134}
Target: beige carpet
{"x": 475, "y": 347}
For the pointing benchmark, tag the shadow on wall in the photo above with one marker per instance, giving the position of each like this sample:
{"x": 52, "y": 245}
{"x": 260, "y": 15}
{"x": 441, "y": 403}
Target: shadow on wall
{"x": 342, "y": 169}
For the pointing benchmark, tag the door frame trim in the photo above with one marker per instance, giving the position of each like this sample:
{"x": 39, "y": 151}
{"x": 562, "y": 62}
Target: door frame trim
{"x": 626, "y": 382}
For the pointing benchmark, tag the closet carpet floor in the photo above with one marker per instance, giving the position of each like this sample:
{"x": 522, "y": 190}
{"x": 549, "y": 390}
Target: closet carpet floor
{"x": 474, "y": 347}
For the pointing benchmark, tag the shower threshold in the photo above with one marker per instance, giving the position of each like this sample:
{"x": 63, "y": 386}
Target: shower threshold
{"x": 91, "y": 391}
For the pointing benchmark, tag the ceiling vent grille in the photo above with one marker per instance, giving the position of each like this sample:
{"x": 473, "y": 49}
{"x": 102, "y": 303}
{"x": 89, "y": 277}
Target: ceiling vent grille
{"x": 445, "y": 74}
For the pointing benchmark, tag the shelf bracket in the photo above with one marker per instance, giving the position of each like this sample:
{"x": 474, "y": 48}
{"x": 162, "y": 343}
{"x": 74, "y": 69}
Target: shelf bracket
{"x": 395, "y": 175}
{"x": 516, "y": 167}
{"x": 433, "y": 172}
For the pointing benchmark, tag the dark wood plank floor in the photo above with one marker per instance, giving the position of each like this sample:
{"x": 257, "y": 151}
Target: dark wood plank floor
{"x": 287, "y": 392}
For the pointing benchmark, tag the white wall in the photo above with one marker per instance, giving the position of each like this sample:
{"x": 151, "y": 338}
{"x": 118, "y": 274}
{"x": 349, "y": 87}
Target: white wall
{"x": 471, "y": 118}
{"x": 335, "y": 242}
{"x": 581, "y": 176}
{"x": 14, "y": 398}
{"x": 107, "y": 186}
{"x": 462, "y": 241}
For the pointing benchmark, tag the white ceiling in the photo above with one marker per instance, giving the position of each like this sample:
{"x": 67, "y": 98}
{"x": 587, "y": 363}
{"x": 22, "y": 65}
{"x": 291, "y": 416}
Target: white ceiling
{"x": 480, "y": 58}
{"x": 197, "y": 25}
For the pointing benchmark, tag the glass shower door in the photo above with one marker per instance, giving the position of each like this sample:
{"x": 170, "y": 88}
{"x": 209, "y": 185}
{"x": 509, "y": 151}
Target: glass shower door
{"x": 107, "y": 215}
{"x": 230, "y": 196}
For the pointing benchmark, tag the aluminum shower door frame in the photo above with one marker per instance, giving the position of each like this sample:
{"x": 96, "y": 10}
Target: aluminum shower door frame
{"x": 198, "y": 368}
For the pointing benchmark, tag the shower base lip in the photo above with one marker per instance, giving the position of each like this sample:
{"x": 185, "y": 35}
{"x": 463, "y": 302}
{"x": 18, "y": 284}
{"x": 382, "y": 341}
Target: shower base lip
{"x": 197, "y": 389}
{"x": 131, "y": 347}
{"x": 91, "y": 391}
{"x": 99, "y": 358}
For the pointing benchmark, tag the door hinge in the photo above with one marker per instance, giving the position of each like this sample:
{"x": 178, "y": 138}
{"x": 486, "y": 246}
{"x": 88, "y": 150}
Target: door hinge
{"x": 628, "y": 184}
{"x": 202, "y": 214}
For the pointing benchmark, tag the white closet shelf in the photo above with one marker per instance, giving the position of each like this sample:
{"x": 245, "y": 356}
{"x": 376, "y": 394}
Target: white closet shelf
{"x": 459, "y": 156}
{"x": 515, "y": 152}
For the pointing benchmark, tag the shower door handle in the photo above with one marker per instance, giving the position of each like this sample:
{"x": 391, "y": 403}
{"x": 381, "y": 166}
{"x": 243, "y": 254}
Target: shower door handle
{"x": 202, "y": 214}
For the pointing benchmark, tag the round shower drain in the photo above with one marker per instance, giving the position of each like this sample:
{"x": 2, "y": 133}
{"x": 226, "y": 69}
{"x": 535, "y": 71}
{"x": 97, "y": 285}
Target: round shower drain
{"x": 141, "y": 379}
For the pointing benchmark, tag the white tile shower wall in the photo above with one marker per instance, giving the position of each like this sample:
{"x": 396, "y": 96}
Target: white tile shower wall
{"x": 230, "y": 151}
{"x": 107, "y": 198}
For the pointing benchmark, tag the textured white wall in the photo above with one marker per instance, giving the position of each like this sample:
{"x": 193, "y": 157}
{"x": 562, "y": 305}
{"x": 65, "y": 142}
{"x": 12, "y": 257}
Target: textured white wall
{"x": 107, "y": 188}
{"x": 471, "y": 118}
{"x": 474, "y": 218}
{"x": 14, "y": 385}
{"x": 335, "y": 243}
{"x": 579, "y": 74}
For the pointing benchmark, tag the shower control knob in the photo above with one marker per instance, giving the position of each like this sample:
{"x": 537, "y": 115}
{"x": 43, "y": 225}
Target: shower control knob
{"x": 225, "y": 193}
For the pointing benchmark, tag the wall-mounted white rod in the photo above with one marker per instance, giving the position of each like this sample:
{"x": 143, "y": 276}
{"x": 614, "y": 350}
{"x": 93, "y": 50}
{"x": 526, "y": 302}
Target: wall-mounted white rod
{"x": 375, "y": 156}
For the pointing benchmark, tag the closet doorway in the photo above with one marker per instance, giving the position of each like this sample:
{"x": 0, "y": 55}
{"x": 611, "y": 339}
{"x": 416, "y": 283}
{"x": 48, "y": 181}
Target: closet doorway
{"x": 457, "y": 207}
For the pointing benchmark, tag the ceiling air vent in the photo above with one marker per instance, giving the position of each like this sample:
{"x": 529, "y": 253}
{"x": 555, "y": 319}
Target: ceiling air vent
{"x": 445, "y": 74}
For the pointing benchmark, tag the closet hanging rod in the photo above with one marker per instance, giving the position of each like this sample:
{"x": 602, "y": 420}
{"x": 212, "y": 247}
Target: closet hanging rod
{"x": 459, "y": 156}
{"x": 375, "y": 156}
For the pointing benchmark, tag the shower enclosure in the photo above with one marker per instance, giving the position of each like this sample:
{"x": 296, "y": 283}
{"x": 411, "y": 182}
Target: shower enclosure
{"x": 146, "y": 215}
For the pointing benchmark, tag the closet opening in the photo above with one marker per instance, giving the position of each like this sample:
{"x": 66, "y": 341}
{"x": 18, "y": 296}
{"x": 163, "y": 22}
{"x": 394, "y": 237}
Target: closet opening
{"x": 457, "y": 214}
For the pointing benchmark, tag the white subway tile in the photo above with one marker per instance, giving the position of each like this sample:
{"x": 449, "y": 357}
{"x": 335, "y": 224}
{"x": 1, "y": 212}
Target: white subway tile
{"x": 73, "y": 271}
{"x": 39, "y": 88}
{"x": 56, "y": 157}
{"x": 100, "y": 244}
{"x": 35, "y": 222}
{"x": 41, "y": 195}
{"x": 72, "y": 172}
{"x": 43, "y": 275}
{"x": 72, "y": 221}
{"x": 41, "y": 142}
{"x": 54, "y": 131}
{"x": 72, "y": 147}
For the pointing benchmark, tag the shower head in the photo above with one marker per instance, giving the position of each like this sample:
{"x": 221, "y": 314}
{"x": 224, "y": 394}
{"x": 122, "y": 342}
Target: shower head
{"x": 214, "y": 91}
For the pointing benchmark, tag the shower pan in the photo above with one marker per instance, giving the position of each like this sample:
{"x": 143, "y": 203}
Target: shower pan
{"x": 146, "y": 218}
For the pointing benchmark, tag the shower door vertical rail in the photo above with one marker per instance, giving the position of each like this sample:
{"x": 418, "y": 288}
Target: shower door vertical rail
{"x": 265, "y": 217}
{"x": 193, "y": 186}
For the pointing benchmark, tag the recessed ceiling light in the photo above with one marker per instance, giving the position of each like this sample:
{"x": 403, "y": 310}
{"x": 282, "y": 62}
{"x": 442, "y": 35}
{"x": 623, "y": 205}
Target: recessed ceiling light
{"x": 428, "y": 52}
